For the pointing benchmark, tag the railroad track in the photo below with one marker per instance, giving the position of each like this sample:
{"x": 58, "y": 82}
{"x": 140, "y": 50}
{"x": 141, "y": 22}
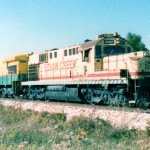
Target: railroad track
{"x": 83, "y": 105}
{"x": 118, "y": 116}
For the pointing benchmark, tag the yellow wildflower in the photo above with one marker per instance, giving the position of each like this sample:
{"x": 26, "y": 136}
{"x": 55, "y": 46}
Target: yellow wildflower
{"x": 83, "y": 133}
{"x": 26, "y": 129}
{"x": 10, "y": 135}
{"x": 14, "y": 126}
{"x": 79, "y": 129}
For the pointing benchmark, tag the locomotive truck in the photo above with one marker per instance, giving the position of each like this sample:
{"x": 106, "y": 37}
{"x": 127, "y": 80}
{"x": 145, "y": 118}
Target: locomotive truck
{"x": 106, "y": 71}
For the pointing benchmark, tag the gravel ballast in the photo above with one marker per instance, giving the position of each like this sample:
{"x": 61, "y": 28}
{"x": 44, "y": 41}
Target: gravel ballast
{"x": 118, "y": 118}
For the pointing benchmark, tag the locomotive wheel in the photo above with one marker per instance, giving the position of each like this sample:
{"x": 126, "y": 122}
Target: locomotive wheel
{"x": 91, "y": 102}
{"x": 142, "y": 103}
{"x": 4, "y": 95}
{"x": 40, "y": 95}
{"x": 30, "y": 96}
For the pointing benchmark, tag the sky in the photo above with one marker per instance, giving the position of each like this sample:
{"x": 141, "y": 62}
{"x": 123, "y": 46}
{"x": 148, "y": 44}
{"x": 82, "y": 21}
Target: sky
{"x": 36, "y": 25}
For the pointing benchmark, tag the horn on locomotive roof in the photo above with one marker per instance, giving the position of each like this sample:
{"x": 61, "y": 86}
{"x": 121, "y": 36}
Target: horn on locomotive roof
{"x": 108, "y": 35}
{"x": 87, "y": 40}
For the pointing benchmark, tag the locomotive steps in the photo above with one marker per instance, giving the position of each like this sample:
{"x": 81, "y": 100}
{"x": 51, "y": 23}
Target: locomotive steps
{"x": 117, "y": 117}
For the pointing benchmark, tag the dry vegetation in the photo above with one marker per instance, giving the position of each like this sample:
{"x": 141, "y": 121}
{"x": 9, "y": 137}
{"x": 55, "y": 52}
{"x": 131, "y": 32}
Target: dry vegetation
{"x": 31, "y": 130}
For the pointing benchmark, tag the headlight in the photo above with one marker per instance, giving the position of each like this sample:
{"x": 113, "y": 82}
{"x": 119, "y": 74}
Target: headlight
{"x": 146, "y": 54}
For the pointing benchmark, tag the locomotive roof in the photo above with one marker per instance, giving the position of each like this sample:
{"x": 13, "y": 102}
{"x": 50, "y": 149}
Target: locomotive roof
{"x": 15, "y": 57}
{"x": 90, "y": 44}
{"x": 87, "y": 45}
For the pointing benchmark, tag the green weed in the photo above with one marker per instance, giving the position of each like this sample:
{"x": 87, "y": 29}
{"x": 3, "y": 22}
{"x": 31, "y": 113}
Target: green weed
{"x": 28, "y": 130}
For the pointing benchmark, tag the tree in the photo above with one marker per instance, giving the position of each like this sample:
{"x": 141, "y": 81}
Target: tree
{"x": 136, "y": 41}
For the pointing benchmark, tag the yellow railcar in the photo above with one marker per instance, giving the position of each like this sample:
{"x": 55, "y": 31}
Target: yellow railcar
{"x": 13, "y": 71}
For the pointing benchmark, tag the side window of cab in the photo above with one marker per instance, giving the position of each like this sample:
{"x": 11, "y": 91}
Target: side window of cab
{"x": 86, "y": 55}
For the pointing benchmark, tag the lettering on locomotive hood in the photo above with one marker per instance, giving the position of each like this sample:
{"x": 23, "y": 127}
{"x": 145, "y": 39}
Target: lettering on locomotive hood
{"x": 70, "y": 64}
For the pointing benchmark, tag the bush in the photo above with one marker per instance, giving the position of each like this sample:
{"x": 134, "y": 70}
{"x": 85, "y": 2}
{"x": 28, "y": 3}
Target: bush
{"x": 118, "y": 134}
{"x": 148, "y": 129}
{"x": 88, "y": 126}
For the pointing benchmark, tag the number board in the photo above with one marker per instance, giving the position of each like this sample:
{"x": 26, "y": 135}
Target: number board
{"x": 108, "y": 41}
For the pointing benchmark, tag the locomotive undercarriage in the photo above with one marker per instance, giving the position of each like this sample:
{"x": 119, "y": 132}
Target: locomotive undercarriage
{"x": 57, "y": 92}
{"x": 139, "y": 92}
{"x": 142, "y": 97}
{"x": 105, "y": 95}
{"x": 6, "y": 93}
{"x": 98, "y": 94}
{"x": 34, "y": 93}
{"x": 117, "y": 95}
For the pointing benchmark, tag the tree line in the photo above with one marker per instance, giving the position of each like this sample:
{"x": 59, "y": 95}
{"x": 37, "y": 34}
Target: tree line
{"x": 136, "y": 42}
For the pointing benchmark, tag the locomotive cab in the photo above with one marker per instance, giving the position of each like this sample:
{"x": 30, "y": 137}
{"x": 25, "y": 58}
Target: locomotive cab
{"x": 104, "y": 46}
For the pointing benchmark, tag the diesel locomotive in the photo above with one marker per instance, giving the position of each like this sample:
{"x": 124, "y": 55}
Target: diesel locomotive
{"x": 102, "y": 71}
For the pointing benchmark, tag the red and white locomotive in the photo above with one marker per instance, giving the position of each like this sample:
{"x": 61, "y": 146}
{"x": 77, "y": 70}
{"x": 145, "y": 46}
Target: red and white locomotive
{"x": 105, "y": 70}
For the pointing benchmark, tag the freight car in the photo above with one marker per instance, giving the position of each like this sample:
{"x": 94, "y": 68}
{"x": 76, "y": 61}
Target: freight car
{"x": 105, "y": 70}
{"x": 13, "y": 71}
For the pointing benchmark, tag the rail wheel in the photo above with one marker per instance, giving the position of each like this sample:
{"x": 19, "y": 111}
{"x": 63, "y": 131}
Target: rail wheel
{"x": 40, "y": 95}
{"x": 142, "y": 103}
{"x": 30, "y": 96}
{"x": 4, "y": 95}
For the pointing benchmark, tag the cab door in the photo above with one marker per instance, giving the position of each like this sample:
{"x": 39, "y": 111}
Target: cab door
{"x": 98, "y": 59}
{"x": 98, "y": 64}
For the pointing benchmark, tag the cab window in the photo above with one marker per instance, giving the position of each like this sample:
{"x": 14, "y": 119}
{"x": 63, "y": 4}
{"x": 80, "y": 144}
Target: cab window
{"x": 85, "y": 55}
{"x": 12, "y": 69}
{"x": 98, "y": 51}
{"x": 129, "y": 50}
{"x": 110, "y": 50}
{"x": 42, "y": 58}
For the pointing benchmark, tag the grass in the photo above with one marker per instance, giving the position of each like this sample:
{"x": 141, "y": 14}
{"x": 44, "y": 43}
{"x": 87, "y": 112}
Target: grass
{"x": 30, "y": 130}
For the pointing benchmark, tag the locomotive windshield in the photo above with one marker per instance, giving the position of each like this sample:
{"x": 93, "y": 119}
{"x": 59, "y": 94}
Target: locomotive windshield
{"x": 113, "y": 50}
